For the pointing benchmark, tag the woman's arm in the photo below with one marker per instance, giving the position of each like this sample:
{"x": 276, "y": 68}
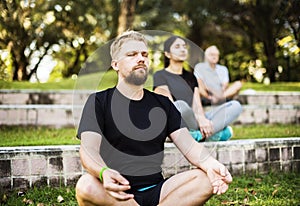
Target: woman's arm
{"x": 164, "y": 90}
{"x": 205, "y": 124}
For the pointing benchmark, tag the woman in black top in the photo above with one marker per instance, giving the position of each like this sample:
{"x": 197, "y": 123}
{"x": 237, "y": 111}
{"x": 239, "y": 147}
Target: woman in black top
{"x": 181, "y": 87}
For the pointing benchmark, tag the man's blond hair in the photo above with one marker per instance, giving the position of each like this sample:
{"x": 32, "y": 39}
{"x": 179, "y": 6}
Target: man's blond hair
{"x": 120, "y": 40}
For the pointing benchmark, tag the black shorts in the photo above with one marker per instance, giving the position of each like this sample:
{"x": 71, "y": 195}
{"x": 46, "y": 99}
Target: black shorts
{"x": 149, "y": 197}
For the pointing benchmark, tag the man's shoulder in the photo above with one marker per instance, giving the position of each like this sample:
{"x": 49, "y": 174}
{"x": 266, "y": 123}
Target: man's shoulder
{"x": 159, "y": 97}
{"x": 103, "y": 95}
{"x": 203, "y": 67}
{"x": 151, "y": 93}
{"x": 221, "y": 67}
{"x": 104, "y": 92}
{"x": 201, "y": 63}
{"x": 202, "y": 70}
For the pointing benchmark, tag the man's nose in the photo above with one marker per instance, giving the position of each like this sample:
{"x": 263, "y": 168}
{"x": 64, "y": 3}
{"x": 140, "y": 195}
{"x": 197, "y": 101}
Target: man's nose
{"x": 140, "y": 57}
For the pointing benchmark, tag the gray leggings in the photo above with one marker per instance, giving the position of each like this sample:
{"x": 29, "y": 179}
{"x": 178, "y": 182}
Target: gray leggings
{"x": 221, "y": 116}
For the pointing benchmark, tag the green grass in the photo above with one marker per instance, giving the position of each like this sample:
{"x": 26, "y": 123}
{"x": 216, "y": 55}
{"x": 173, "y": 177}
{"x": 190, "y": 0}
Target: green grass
{"x": 255, "y": 190}
{"x": 265, "y": 131}
{"x": 276, "y": 86}
{"x": 44, "y": 196}
{"x": 65, "y": 84}
{"x": 101, "y": 81}
{"x": 33, "y": 136}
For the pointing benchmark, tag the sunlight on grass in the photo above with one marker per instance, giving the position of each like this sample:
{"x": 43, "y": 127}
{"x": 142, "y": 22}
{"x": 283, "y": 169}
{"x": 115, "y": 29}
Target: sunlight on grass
{"x": 265, "y": 131}
{"x": 276, "y": 86}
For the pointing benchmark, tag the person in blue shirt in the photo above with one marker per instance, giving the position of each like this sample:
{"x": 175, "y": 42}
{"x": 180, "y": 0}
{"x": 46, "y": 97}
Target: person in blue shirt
{"x": 213, "y": 79}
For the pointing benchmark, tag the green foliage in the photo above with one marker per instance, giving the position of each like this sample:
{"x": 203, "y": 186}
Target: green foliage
{"x": 31, "y": 30}
{"x": 238, "y": 64}
{"x": 69, "y": 31}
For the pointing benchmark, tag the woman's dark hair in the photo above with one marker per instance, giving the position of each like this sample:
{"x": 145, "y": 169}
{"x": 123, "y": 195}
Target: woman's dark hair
{"x": 167, "y": 45}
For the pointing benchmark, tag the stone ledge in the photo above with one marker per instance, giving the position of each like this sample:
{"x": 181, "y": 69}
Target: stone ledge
{"x": 22, "y": 167}
{"x": 69, "y": 115}
{"x": 79, "y": 96}
{"x": 43, "y": 97}
{"x": 270, "y": 98}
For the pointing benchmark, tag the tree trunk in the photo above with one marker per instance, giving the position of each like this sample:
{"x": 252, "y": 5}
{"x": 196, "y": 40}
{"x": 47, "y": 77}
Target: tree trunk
{"x": 270, "y": 51}
{"x": 20, "y": 64}
{"x": 126, "y": 15}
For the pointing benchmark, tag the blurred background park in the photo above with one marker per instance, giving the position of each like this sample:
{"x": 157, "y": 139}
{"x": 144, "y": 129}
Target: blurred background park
{"x": 44, "y": 44}
{"x": 49, "y": 40}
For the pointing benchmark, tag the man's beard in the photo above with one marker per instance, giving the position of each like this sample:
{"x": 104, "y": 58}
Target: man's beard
{"x": 136, "y": 79}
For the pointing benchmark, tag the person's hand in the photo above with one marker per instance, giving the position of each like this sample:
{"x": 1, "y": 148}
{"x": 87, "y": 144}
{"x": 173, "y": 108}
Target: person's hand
{"x": 220, "y": 178}
{"x": 217, "y": 99}
{"x": 205, "y": 126}
{"x": 116, "y": 185}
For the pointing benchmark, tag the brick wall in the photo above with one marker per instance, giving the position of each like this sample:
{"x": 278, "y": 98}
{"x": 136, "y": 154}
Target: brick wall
{"x": 63, "y": 108}
{"x": 23, "y": 96}
{"x": 68, "y": 115}
{"x": 22, "y": 167}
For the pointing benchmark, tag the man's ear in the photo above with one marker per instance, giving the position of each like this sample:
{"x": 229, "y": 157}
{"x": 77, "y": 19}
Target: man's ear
{"x": 114, "y": 65}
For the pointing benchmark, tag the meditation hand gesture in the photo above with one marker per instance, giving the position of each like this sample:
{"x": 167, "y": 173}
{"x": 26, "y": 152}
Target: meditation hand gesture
{"x": 116, "y": 185}
{"x": 220, "y": 178}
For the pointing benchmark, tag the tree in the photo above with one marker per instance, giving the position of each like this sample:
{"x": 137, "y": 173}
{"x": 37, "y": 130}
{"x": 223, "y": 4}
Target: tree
{"x": 32, "y": 29}
{"x": 70, "y": 31}
{"x": 263, "y": 21}
{"x": 27, "y": 33}
{"x": 127, "y": 12}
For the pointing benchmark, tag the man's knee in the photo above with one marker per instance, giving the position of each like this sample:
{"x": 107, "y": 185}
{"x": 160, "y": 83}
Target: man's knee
{"x": 86, "y": 187}
{"x": 203, "y": 183}
{"x": 237, "y": 106}
{"x": 83, "y": 188}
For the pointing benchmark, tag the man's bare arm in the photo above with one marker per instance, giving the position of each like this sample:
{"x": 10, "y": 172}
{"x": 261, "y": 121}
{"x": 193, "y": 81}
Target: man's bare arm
{"x": 198, "y": 155}
{"x": 90, "y": 152}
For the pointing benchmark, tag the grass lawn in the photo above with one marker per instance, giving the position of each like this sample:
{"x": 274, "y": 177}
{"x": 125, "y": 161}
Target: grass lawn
{"x": 36, "y": 136}
{"x": 33, "y": 136}
{"x": 255, "y": 190}
{"x": 271, "y": 189}
{"x": 103, "y": 80}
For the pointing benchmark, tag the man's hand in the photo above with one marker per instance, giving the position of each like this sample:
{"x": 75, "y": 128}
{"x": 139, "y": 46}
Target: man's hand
{"x": 220, "y": 178}
{"x": 116, "y": 185}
